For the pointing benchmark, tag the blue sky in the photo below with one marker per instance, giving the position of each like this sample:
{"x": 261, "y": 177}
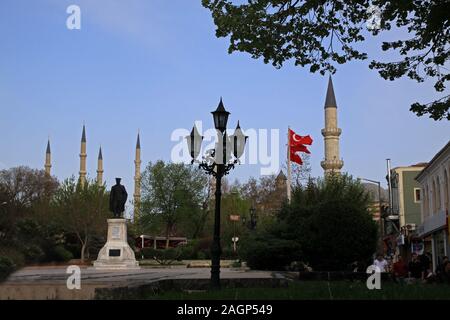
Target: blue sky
{"x": 157, "y": 66}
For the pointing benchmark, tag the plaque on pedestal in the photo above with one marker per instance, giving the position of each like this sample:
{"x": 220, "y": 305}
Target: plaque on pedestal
{"x": 116, "y": 254}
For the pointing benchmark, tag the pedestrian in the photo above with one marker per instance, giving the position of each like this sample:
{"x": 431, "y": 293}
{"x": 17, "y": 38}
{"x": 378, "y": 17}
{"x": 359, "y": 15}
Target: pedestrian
{"x": 381, "y": 263}
{"x": 399, "y": 270}
{"x": 425, "y": 259}
{"x": 415, "y": 268}
{"x": 443, "y": 270}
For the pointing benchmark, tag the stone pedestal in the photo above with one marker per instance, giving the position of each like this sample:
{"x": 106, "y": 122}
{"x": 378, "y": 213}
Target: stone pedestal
{"x": 116, "y": 254}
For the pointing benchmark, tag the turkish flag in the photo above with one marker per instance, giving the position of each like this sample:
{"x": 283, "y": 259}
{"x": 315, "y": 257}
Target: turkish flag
{"x": 297, "y": 144}
{"x": 295, "y": 139}
{"x": 295, "y": 157}
{"x": 300, "y": 148}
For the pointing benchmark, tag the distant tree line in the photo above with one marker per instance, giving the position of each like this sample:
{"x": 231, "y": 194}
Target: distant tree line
{"x": 43, "y": 220}
{"x": 327, "y": 224}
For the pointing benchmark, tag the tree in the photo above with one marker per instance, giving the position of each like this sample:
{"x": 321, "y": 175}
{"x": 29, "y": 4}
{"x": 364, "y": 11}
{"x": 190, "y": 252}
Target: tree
{"x": 233, "y": 203}
{"x": 300, "y": 174}
{"x": 24, "y": 193}
{"x": 331, "y": 221}
{"x": 327, "y": 225}
{"x": 322, "y": 34}
{"x": 172, "y": 192}
{"x": 265, "y": 194}
{"x": 82, "y": 210}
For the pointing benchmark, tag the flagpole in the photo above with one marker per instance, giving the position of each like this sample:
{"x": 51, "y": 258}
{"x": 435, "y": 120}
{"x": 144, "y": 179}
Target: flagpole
{"x": 289, "y": 166}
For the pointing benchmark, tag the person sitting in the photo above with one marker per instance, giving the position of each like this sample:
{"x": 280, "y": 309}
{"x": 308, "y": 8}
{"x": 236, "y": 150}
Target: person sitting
{"x": 443, "y": 270}
{"x": 399, "y": 270}
{"x": 415, "y": 268}
{"x": 381, "y": 263}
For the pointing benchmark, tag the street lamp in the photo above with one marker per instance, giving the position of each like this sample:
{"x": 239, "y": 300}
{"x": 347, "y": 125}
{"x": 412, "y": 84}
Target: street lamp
{"x": 142, "y": 246}
{"x": 217, "y": 162}
{"x": 379, "y": 207}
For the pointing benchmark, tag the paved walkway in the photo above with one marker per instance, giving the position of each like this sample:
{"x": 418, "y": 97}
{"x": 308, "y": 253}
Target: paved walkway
{"x": 50, "y": 282}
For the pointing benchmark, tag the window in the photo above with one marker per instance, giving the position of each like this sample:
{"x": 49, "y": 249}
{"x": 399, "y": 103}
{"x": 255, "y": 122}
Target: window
{"x": 417, "y": 195}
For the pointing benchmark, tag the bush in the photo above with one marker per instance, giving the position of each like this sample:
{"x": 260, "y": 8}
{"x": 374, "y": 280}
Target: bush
{"x": 201, "y": 255}
{"x": 7, "y": 266}
{"x": 15, "y": 255}
{"x": 265, "y": 252}
{"x": 236, "y": 264}
{"x": 187, "y": 252}
{"x": 331, "y": 222}
{"x": 60, "y": 254}
{"x": 228, "y": 253}
{"x": 162, "y": 256}
{"x": 33, "y": 253}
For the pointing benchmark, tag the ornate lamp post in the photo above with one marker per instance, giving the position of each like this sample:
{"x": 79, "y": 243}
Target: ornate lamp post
{"x": 218, "y": 162}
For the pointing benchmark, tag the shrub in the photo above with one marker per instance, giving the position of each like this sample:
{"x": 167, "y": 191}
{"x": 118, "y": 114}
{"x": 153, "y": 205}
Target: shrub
{"x": 201, "y": 255}
{"x": 14, "y": 255}
{"x": 265, "y": 252}
{"x": 187, "y": 252}
{"x": 162, "y": 256}
{"x": 330, "y": 220}
{"x": 228, "y": 253}
{"x": 33, "y": 253}
{"x": 236, "y": 264}
{"x": 61, "y": 254}
{"x": 7, "y": 266}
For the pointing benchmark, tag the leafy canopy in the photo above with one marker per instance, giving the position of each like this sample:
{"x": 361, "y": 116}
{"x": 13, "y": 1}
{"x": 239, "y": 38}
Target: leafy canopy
{"x": 322, "y": 34}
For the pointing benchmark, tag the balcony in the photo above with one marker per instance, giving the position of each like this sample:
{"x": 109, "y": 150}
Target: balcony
{"x": 432, "y": 223}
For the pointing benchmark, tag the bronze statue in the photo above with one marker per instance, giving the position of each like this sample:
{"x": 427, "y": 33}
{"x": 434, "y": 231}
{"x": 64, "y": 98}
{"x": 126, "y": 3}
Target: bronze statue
{"x": 117, "y": 199}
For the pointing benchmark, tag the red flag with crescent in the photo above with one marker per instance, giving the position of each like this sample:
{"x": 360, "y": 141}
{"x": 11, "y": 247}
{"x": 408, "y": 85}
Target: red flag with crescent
{"x": 295, "y": 157}
{"x": 296, "y": 139}
{"x": 297, "y": 144}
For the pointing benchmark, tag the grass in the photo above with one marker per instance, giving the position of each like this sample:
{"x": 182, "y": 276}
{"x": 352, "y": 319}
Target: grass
{"x": 318, "y": 290}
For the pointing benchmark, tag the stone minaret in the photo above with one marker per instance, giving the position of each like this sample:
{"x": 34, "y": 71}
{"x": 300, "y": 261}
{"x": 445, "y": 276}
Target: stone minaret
{"x": 100, "y": 168}
{"x": 281, "y": 182}
{"x": 48, "y": 159}
{"x": 331, "y": 133}
{"x": 137, "y": 179}
{"x": 83, "y": 156}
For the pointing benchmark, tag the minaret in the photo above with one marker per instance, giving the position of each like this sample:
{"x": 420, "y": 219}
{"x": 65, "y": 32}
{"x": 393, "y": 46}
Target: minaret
{"x": 281, "y": 182}
{"x": 48, "y": 159}
{"x": 137, "y": 179}
{"x": 331, "y": 133}
{"x": 83, "y": 156}
{"x": 100, "y": 168}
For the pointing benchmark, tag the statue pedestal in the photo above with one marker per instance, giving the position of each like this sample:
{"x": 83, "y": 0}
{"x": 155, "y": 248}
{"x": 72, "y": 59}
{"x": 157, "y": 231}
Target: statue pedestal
{"x": 116, "y": 253}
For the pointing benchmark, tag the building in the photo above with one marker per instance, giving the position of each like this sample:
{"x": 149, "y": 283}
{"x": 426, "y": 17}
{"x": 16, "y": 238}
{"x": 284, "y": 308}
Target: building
{"x": 48, "y": 159}
{"x": 434, "y": 180}
{"x": 407, "y": 194}
{"x": 331, "y": 133}
{"x": 376, "y": 204}
{"x": 137, "y": 180}
{"x": 99, "y": 180}
{"x": 405, "y": 214}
